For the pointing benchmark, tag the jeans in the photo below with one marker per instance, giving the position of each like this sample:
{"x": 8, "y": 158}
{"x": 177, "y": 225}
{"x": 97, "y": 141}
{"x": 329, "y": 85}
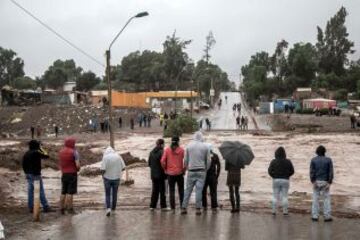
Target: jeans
{"x": 111, "y": 188}
{"x": 179, "y": 180}
{"x": 194, "y": 179}
{"x": 280, "y": 192}
{"x": 321, "y": 188}
{"x": 158, "y": 188}
{"x": 210, "y": 182}
{"x": 234, "y": 193}
{"x": 30, "y": 179}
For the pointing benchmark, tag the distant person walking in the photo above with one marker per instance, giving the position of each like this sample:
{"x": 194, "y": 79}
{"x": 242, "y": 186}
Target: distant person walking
{"x": 353, "y": 121}
{"x": 149, "y": 118}
{"x": 56, "y": 129}
{"x": 161, "y": 117}
{"x": 208, "y": 124}
{"x": 238, "y": 126}
{"x": 32, "y": 130}
{"x": 145, "y": 120}
{"x": 246, "y": 123}
{"x": 233, "y": 181}
{"x": 112, "y": 166}
{"x": 242, "y": 126}
{"x": 321, "y": 176}
{"x": 38, "y": 131}
{"x": 140, "y": 119}
{"x": 69, "y": 163}
{"x": 120, "y": 122}
{"x": 197, "y": 162}
{"x": 280, "y": 169}
{"x": 31, "y": 164}
{"x": 158, "y": 176}
{"x": 211, "y": 180}
{"x": 172, "y": 161}
{"x": 132, "y": 123}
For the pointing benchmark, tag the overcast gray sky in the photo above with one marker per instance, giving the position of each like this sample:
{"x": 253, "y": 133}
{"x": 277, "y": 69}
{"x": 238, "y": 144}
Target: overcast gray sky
{"x": 240, "y": 27}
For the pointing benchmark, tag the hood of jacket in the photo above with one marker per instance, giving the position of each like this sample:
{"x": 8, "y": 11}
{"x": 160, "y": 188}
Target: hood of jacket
{"x": 198, "y": 137}
{"x": 70, "y": 142}
{"x": 34, "y": 145}
{"x": 109, "y": 150}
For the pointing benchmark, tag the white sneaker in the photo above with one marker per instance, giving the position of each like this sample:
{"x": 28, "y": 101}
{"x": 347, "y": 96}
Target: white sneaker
{"x": 152, "y": 209}
{"x": 108, "y": 211}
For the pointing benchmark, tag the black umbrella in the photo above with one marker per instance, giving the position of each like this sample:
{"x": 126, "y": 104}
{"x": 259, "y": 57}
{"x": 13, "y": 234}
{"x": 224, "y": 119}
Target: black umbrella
{"x": 236, "y": 153}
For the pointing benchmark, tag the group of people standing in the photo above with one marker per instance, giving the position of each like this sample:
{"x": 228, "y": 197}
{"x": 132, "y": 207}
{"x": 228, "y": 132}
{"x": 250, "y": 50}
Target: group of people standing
{"x": 203, "y": 170}
{"x": 242, "y": 122}
{"x": 171, "y": 163}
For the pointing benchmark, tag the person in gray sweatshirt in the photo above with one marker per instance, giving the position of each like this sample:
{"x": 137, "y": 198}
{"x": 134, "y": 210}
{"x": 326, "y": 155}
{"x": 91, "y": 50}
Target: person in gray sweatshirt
{"x": 197, "y": 162}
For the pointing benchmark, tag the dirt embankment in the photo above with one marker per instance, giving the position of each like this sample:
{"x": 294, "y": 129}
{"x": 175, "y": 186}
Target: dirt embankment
{"x": 11, "y": 156}
{"x": 69, "y": 119}
{"x": 309, "y": 123}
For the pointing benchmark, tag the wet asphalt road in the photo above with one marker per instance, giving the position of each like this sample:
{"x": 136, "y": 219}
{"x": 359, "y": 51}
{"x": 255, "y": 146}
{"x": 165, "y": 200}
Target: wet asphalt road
{"x": 143, "y": 224}
{"x": 224, "y": 118}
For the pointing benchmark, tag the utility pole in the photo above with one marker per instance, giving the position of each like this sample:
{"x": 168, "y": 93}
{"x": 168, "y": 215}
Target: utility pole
{"x": 109, "y": 98}
{"x": 191, "y": 97}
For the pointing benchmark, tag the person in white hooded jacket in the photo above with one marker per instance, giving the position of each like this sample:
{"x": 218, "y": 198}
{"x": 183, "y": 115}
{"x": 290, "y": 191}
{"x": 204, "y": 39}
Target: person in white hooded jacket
{"x": 112, "y": 166}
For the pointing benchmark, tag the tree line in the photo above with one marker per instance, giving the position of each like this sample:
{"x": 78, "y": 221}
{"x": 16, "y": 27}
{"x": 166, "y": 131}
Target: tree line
{"x": 148, "y": 70}
{"x": 324, "y": 64}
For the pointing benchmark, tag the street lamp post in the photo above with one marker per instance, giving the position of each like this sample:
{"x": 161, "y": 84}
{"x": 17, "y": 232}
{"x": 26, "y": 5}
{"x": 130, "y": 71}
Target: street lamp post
{"x": 139, "y": 15}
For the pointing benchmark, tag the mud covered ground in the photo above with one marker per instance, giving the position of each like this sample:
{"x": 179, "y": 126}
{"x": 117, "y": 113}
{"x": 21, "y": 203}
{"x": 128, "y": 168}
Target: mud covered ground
{"x": 256, "y": 185}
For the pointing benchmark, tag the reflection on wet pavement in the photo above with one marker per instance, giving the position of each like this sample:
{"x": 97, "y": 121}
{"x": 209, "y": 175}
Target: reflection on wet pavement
{"x": 142, "y": 224}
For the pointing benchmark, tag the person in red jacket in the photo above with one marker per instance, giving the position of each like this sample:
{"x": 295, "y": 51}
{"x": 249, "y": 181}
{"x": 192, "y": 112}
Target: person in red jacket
{"x": 172, "y": 162}
{"x": 69, "y": 165}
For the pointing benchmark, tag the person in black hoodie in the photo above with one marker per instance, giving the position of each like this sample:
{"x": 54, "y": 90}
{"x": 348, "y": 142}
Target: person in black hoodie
{"x": 211, "y": 181}
{"x": 158, "y": 176}
{"x": 280, "y": 169}
{"x": 32, "y": 168}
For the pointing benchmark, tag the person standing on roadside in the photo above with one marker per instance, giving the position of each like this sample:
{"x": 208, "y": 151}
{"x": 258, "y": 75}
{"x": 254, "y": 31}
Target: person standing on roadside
{"x": 211, "y": 180}
{"x": 31, "y": 164}
{"x": 321, "y": 176}
{"x": 172, "y": 161}
{"x": 132, "y": 123}
{"x": 38, "y": 131}
{"x": 197, "y": 162}
{"x": 56, "y": 128}
{"x": 120, "y": 122}
{"x": 233, "y": 181}
{"x": 161, "y": 117}
{"x": 112, "y": 166}
{"x": 69, "y": 165}
{"x": 158, "y": 176}
{"x": 280, "y": 169}
{"x": 246, "y": 123}
{"x": 149, "y": 117}
{"x": 32, "y": 130}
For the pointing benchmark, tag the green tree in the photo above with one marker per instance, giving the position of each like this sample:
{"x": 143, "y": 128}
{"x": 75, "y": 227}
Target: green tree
{"x": 175, "y": 57}
{"x": 210, "y": 42}
{"x": 333, "y": 45}
{"x": 24, "y": 83}
{"x": 87, "y": 81}
{"x": 60, "y": 72}
{"x": 11, "y": 67}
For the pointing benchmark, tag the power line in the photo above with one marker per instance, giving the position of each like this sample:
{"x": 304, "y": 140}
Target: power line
{"x": 56, "y": 33}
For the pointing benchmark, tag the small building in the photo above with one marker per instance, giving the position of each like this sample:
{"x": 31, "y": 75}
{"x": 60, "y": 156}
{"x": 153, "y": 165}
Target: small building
{"x": 302, "y": 93}
{"x": 69, "y": 86}
{"x": 319, "y": 103}
{"x": 96, "y": 97}
{"x": 279, "y": 104}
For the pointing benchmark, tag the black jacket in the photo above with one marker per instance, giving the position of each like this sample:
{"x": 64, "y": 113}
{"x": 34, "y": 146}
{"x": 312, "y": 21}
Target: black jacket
{"x": 32, "y": 159}
{"x": 157, "y": 172}
{"x": 214, "y": 170}
{"x": 281, "y": 168}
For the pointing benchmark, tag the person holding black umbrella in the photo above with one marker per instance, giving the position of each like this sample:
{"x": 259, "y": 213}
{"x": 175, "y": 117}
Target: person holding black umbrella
{"x": 233, "y": 181}
{"x": 236, "y": 156}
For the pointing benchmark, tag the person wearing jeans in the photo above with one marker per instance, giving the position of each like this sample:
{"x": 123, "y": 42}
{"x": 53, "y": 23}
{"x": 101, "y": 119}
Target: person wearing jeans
{"x": 233, "y": 181}
{"x": 172, "y": 161}
{"x": 197, "y": 161}
{"x": 321, "y": 176}
{"x": 111, "y": 166}
{"x": 280, "y": 169}
{"x": 111, "y": 190}
{"x": 32, "y": 168}
{"x": 30, "y": 179}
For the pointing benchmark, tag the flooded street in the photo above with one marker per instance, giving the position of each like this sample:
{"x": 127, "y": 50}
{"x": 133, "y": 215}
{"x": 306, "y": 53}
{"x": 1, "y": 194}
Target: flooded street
{"x": 143, "y": 224}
